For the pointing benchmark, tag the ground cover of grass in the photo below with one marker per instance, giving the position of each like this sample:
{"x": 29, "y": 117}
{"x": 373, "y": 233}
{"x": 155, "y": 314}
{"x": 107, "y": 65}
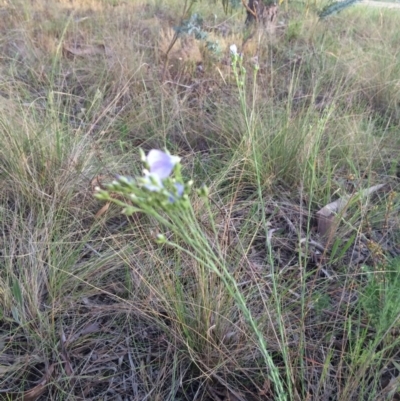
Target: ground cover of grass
{"x": 92, "y": 308}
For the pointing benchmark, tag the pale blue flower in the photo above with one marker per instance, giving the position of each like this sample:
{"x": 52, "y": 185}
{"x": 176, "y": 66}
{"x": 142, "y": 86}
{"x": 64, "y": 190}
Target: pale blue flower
{"x": 233, "y": 49}
{"x": 161, "y": 164}
{"x": 179, "y": 188}
{"x": 179, "y": 192}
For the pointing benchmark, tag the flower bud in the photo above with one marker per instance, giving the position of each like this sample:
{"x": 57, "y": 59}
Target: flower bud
{"x": 161, "y": 239}
{"x": 142, "y": 155}
{"x": 129, "y": 210}
{"x": 102, "y": 194}
{"x": 203, "y": 191}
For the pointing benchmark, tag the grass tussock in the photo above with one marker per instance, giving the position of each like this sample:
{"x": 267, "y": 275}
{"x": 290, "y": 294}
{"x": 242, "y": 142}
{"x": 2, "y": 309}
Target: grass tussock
{"x": 251, "y": 301}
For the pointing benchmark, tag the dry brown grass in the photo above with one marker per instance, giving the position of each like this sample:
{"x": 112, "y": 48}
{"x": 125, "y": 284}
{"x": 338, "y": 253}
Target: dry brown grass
{"x": 90, "y": 306}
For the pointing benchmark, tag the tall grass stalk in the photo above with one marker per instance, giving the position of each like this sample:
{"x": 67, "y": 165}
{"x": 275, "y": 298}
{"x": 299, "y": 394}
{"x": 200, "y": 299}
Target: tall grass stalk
{"x": 250, "y": 138}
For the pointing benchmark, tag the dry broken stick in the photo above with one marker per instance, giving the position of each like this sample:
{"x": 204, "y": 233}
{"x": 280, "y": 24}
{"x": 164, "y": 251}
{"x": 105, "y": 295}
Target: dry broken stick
{"x": 328, "y": 216}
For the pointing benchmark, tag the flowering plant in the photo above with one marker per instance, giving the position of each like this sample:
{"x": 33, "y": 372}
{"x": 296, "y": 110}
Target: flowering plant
{"x": 161, "y": 185}
{"x": 162, "y": 194}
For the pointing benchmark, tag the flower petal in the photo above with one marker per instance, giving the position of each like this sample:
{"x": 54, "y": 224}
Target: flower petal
{"x": 161, "y": 164}
{"x": 179, "y": 189}
{"x": 152, "y": 182}
{"x": 233, "y": 49}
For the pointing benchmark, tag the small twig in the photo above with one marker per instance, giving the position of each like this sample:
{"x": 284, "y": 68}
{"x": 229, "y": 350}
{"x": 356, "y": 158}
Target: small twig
{"x": 312, "y": 242}
{"x": 93, "y": 250}
{"x": 292, "y": 227}
{"x": 249, "y": 9}
{"x": 186, "y": 11}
